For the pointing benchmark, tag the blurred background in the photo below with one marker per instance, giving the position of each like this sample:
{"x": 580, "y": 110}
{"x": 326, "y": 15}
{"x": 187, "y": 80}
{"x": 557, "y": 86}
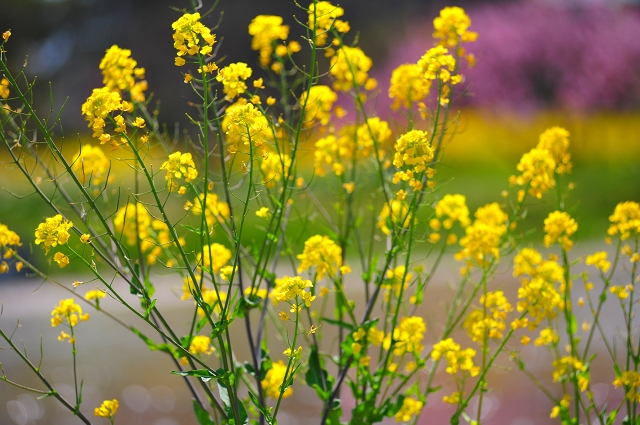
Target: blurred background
{"x": 540, "y": 63}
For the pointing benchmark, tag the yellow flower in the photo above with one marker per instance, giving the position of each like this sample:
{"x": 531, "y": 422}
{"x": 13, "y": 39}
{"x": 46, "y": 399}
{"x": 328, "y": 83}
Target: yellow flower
{"x": 408, "y": 85}
{"x": 215, "y": 211}
{"x": 454, "y": 398}
{"x": 317, "y": 104}
{"x": 396, "y": 214}
{"x": 350, "y": 65}
{"x": 274, "y": 379}
{"x": 410, "y": 407}
{"x": 413, "y": 149}
{"x": 407, "y": 336}
{"x": 61, "y": 259}
{"x": 66, "y": 310}
{"x": 619, "y": 291}
{"x": 95, "y": 294}
{"x": 484, "y": 236}
{"x": 451, "y": 27}
{"x": 201, "y": 344}
{"x": 98, "y": 106}
{"x": 8, "y": 237}
{"x": 188, "y": 34}
{"x": 85, "y": 238}
{"x": 323, "y": 254}
{"x": 565, "y": 366}
{"x": 267, "y": 29}
{"x": 599, "y": 260}
{"x": 53, "y": 232}
{"x": 457, "y": 359}
{"x": 559, "y": 226}
{"x": 244, "y": 123}
{"x": 120, "y": 73}
{"x": 107, "y": 409}
{"x": 537, "y": 167}
{"x": 233, "y": 79}
{"x": 625, "y": 220}
{"x": 274, "y": 167}
{"x": 630, "y": 379}
{"x": 91, "y": 164}
{"x": 547, "y": 336}
{"x": 451, "y": 208}
{"x": 289, "y": 288}
{"x": 6, "y": 35}
{"x": 125, "y": 222}
{"x": 4, "y": 88}
{"x": 323, "y": 16}
{"x": 178, "y": 166}
{"x": 555, "y": 140}
{"x": 491, "y": 325}
{"x": 263, "y": 212}
{"x": 213, "y": 256}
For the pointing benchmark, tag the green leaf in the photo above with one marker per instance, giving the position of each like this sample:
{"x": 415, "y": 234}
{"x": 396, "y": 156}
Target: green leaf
{"x": 157, "y": 347}
{"x": 195, "y": 230}
{"x": 340, "y": 323}
{"x": 335, "y": 413}
{"x": 204, "y": 374}
{"x": 224, "y": 396}
{"x": 148, "y": 310}
{"x": 612, "y": 417}
{"x": 49, "y": 394}
{"x": 264, "y": 410}
{"x": 573, "y": 324}
{"x": 317, "y": 377}
{"x": 202, "y": 416}
{"x": 220, "y": 327}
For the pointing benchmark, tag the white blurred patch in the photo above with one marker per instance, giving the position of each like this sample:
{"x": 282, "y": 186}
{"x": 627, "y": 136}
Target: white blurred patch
{"x": 136, "y": 398}
{"x": 163, "y": 398}
{"x": 17, "y": 412}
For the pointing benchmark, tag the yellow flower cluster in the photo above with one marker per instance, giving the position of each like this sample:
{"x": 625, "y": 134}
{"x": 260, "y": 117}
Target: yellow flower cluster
{"x": 394, "y": 213}
{"x": 407, "y": 336}
{"x": 449, "y": 209}
{"x": 538, "y": 293}
{"x": 91, "y": 164}
{"x": 67, "y": 310}
{"x": 201, "y": 344}
{"x": 4, "y": 88}
{"x": 491, "y": 325}
{"x": 413, "y": 149}
{"x": 188, "y": 31}
{"x": 214, "y": 257}
{"x": 322, "y": 17}
{"x": 410, "y": 407}
{"x": 457, "y": 359}
{"x": 408, "y": 85}
{"x": 451, "y": 27}
{"x": 94, "y": 294}
{"x": 233, "y": 79}
{"x": 273, "y": 168}
{"x": 559, "y": 226}
{"x": 267, "y": 29}
{"x": 125, "y": 222}
{"x": 274, "y": 379}
{"x": 350, "y": 65}
{"x": 539, "y": 165}
{"x": 215, "y": 211}
{"x": 107, "y": 409}
{"x": 289, "y": 288}
{"x": 394, "y": 281}
{"x": 179, "y": 165}
{"x": 8, "y": 237}
{"x": 244, "y": 123}
{"x": 53, "y": 232}
{"x": 625, "y": 220}
{"x": 555, "y": 140}
{"x": 98, "y": 106}
{"x": 336, "y": 152}
{"x": 483, "y": 237}
{"x": 437, "y": 64}
{"x": 568, "y": 365}
{"x": 120, "y": 73}
{"x": 547, "y": 336}
{"x": 323, "y": 254}
{"x": 599, "y": 260}
{"x": 317, "y": 104}
{"x": 630, "y": 379}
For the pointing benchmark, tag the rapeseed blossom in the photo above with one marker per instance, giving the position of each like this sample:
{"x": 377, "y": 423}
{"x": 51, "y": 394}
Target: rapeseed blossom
{"x": 244, "y": 123}
{"x": 179, "y": 165}
{"x": 8, "y": 237}
{"x": 213, "y": 257}
{"x": 274, "y": 379}
{"x": 408, "y": 86}
{"x": 4, "y": 88}
{"x": 323, "y": 254}
{"x": 274, "y": 168}
{"x": 492, "y": 323}
{"x": 558, "y": 227}
{"x": 451, "y": 27}
{"x": 97, "y": 108}
{"x": 107, "y": 409}
{"x": 348, "y": 66}
{"x": 625, "y": 220}
{"x": 53, "y": 232}
{"x": 322, "y": 17}
{"x": 457, "y": 358}
{"x": 537, "y": 167}
{"x": 317, "y": 103}
{"x": 599, "y": 260}
{"x": 187, "y": 37}
{"x": 407, "y": 336}
{"x": 555, "y": 140}
{"x": 120, "y": 72}
{"x": 266, "y": 31}
{"x": 91, "y": 162}
{"x": 483, "y": 237}
{"x": 233, "y": 79}
{"x": 133, "y": 221}
{"x": 410, "y": 407}
{"x": 394, "y": 213}
{"x": 630, "y": 379}
{"x": 215, "y": 210}
{"x": 67, "y": 312}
